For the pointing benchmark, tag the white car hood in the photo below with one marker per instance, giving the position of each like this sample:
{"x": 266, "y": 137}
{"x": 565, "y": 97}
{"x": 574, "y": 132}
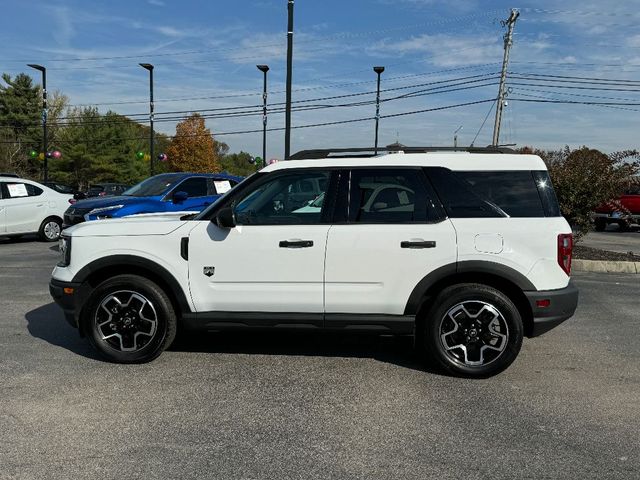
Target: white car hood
{"x": 134, "y": 225}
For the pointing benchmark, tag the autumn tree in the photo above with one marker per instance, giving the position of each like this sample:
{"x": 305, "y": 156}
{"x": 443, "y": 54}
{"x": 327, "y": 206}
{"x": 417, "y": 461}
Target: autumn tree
{"x": 193, "y": 149}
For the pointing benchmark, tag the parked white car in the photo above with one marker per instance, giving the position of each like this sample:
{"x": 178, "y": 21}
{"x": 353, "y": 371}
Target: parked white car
{"x": 30, "y": 207}
{"x": 467, "y": 251}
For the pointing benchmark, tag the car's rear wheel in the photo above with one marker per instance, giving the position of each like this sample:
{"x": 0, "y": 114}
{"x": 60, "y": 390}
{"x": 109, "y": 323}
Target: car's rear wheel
{"x": 473, "y": 330}
{"x": 50, "y": 229}
{"x": 600, "y": 225}
{"x": 129, "y": 319}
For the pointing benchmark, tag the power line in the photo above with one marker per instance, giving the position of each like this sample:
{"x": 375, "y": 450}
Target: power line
{"x": 276, "y": 92}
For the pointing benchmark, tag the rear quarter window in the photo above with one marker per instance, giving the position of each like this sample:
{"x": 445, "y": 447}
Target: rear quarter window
{"x": 515, "y": 192}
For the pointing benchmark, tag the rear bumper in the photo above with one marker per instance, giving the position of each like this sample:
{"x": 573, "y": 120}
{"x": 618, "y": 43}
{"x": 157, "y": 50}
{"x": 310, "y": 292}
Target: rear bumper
{"x": 70, "y": 297}
{"x": 562, "y": 306}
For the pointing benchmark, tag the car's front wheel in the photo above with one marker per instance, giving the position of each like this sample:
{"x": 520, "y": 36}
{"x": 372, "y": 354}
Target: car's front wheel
{"x": 473, "y": 330}
{"x": 129, "y": 319}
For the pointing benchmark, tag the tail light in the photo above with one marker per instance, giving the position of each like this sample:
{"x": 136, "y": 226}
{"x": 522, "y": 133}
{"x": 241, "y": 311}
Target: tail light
{"x": 102, "y": 194}
{"x": 565, "y": 250}
{"x": 72, "y": 201}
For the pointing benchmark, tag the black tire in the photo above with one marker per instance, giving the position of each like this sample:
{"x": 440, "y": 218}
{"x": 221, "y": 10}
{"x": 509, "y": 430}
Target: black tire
{"x": 624, "y": 225}
{"x": 129, "y": 319}
{"x": 600, "y": 225}
{"x": 50, "y": 229}
{"x": 483, "y": 321}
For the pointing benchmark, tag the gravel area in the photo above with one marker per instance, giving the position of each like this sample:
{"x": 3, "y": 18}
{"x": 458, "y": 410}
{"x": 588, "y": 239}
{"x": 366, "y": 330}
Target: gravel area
{"x": 588, "y": 253}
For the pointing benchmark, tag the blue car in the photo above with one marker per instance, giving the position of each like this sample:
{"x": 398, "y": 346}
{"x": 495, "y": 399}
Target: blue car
{"x": 167, "y": 192}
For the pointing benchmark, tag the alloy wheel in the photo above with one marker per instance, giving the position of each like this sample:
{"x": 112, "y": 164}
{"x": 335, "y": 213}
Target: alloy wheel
{"x": 474, "y": 333}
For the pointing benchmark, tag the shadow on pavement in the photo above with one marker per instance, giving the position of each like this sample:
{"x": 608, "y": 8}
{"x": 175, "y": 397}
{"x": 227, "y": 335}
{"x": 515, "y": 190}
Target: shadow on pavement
{"x": 47, "y": 323}
{"x": 394, "y": 350}
{"x": 27, "y": 238}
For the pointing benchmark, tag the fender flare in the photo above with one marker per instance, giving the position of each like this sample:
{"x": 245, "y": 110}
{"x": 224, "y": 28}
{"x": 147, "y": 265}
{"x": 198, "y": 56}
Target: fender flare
{"x": 158, "y": 271}
{"x": 466, "y": 267}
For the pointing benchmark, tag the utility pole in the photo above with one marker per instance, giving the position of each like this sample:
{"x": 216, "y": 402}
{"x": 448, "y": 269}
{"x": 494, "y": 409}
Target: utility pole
{"x": 455, "y": 137}
{"x": 264, "y": 69}
{"x": 508, "y": 41}
{"x": 287, "y": 126}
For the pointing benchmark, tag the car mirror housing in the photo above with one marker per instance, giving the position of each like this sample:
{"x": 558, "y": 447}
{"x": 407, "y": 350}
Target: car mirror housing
{"x": 179, "y": 197}
{"x": 225, "y": 218}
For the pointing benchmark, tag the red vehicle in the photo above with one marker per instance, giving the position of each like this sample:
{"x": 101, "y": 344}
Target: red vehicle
{"x": 624, "y": 211}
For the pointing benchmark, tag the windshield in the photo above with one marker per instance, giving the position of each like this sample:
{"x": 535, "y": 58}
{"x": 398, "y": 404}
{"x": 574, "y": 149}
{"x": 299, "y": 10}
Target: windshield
{"x": 152, "y": 186}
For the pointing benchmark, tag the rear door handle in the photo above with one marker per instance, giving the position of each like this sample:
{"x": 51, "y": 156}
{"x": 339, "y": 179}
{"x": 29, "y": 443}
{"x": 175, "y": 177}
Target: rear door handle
{"x": 296, "y": 243}
{"x": 418, "y": 244}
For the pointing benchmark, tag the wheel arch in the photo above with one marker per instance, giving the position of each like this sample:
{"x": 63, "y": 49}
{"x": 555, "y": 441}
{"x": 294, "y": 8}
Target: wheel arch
{"x": 101, "y": 269}
{"x": 505, "y": 279}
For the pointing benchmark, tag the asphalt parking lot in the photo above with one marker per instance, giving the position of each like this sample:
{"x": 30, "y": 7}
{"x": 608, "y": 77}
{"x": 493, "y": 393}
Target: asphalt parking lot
{"x": 614, "y": 240}
{"x": 310, "y": 406}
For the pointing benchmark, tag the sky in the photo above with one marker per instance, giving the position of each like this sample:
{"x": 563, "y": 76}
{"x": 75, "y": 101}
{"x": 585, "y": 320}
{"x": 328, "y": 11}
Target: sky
{"x": 441, "y": 59}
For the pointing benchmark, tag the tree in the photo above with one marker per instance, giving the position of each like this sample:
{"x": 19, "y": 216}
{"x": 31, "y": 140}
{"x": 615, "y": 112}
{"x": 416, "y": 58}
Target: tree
{"x": 587, "y": 178}
{"x": 20, "y": 117}
{"x": 193, "y": 148}
{"x": 238, "y": 164}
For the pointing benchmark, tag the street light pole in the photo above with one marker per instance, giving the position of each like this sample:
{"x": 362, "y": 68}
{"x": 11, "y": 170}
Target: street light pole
{"x": 43, "y": 70}
{"x": 287, "y": 116}
{"x": 149, "y": 67}
{"x": 264, "y": 69}
{"x": 378, "y": 70}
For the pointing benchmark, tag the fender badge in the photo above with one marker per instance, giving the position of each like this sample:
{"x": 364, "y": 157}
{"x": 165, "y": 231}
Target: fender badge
{"x": 209, "y": 271}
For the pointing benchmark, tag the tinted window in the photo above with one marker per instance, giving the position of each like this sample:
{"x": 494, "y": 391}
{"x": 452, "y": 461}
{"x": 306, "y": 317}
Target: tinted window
{"x": 33, "y": 191}
{"x": 515, "y": 192}
{"x": 547, "y": 193}
{"x": 458, "y": 197}
{"x": 16, "y": 190}
{"x": 279, "y": 201}
{"x": 194, "y": 187}
{"x": 389, "y": 196}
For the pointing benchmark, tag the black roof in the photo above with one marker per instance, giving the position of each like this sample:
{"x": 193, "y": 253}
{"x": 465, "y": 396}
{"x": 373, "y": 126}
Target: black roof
{"x": 370, "y": 152}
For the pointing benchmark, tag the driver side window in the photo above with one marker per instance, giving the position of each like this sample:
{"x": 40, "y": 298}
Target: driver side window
{"x": 287, "y": 199}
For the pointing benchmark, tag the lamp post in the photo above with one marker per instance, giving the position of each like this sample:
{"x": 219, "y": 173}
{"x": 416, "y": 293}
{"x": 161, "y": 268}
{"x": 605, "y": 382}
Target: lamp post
{"x": 44, "y": 116}
{"x": 264, "y": 69}
{"x": 149, "y": 67}
{"x": 287, "y": 113}
{"x": 378, "y": 70}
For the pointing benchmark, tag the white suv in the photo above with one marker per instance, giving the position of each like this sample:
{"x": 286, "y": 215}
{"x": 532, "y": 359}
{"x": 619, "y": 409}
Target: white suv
{"x": 29, "y": 207}
{"x": 466, "y": 250}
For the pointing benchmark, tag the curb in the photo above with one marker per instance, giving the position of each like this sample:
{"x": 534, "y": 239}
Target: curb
{"x": 605, "y": 266}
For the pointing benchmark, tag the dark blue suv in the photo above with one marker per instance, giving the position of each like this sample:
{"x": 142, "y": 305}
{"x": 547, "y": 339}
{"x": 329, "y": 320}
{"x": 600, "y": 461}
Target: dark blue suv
{"x": 167, "y": 192}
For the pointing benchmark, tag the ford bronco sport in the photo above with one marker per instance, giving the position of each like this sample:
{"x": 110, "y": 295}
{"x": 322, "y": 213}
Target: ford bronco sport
{"x": 465, "y": 250}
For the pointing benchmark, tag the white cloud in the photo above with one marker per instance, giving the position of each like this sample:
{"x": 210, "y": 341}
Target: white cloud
{"x": 445, "y": 50}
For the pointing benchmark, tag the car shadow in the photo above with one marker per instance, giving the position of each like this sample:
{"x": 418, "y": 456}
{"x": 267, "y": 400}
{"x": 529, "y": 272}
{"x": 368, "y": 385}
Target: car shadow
{"x": 27, "y": 238}
{"x": 47, "y": 323}
{"x": 395, "y": 350}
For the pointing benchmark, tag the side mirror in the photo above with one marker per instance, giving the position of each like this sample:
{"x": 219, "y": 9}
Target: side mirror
{"x": 225, "y": 218}
{"x": 179, "y": 197}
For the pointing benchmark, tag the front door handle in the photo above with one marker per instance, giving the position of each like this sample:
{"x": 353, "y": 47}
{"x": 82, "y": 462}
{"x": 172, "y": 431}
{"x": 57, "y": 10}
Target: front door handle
{"x": 418, "y": 244}
{"x": 296, "y": 243}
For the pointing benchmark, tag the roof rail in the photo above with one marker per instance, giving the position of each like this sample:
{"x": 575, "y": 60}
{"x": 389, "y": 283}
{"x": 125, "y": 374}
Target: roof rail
{"x": 370, "y": 152}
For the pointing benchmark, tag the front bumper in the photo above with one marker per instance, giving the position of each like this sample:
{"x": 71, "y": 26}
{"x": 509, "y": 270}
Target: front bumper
{"x": 562, "y": 305}
{"x": 70, "y": 296}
